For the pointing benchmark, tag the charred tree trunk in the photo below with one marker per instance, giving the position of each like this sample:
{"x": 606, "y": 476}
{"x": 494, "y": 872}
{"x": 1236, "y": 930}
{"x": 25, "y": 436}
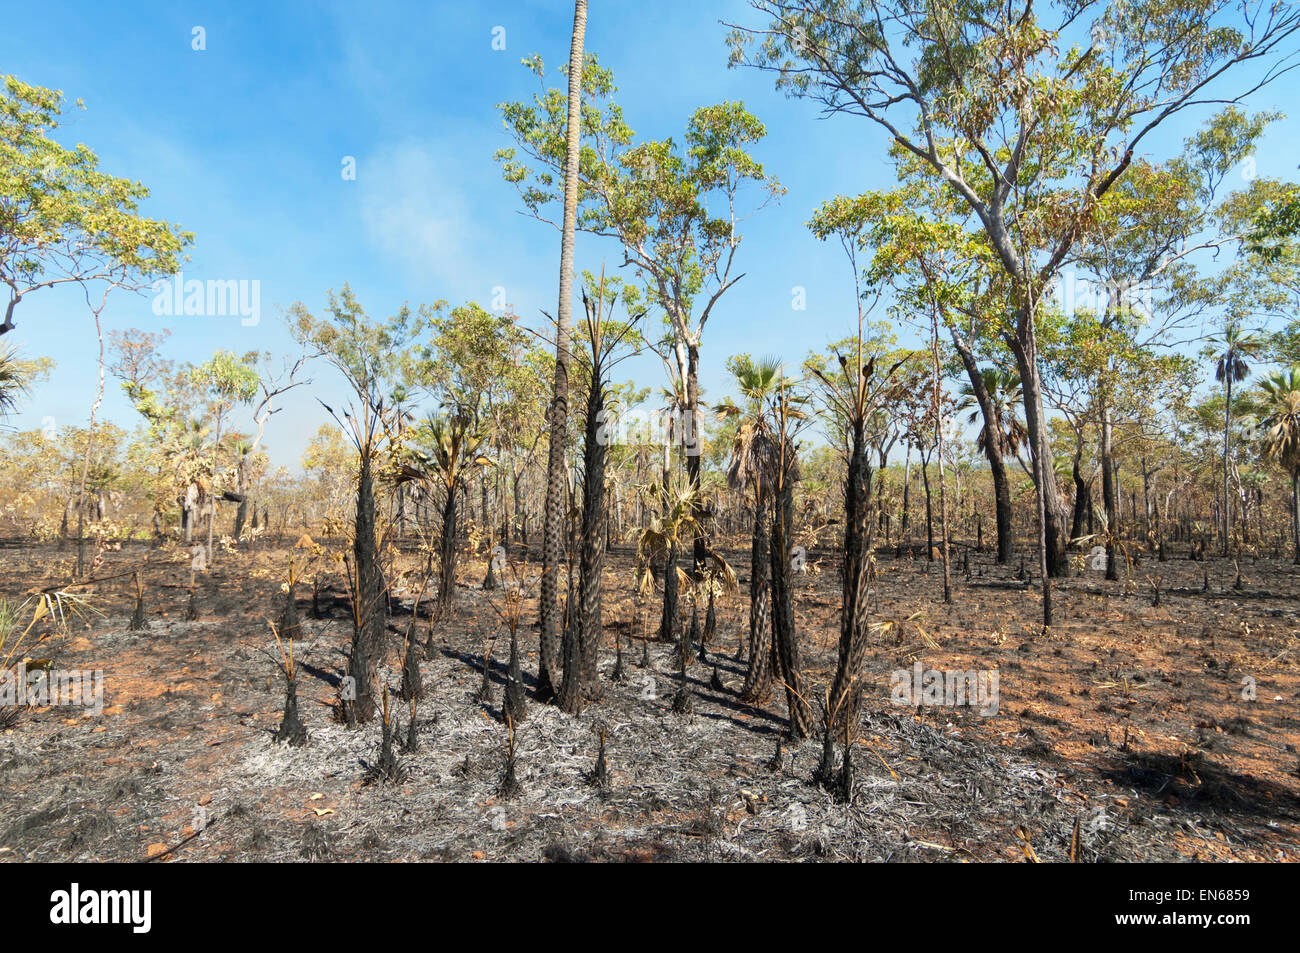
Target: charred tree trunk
{"x": 785, "y": 639}
{"x": 758, "y": 677}
{"x": 855, "y": 579}
{"x": 368, "y": 613}
{"x": 447, "y": 556}
{"x": 580, "y": 658}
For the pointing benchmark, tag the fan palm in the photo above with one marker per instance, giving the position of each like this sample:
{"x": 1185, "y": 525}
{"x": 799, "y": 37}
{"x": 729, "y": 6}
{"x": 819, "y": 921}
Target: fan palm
{"x": 1280, "y": 430}
{"x": 448, "y": 447}
{"x": 1004, "y": 390}
{"x": 753, "y": 453}
{"x": 1236, "y": 348}
{"x": 13, "y": 381}
{"x": 677, "y": 502}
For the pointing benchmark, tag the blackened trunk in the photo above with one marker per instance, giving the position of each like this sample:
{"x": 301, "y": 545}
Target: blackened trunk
{"x": 447, "y": 557}
{"x": 758, "y": 677}
{"x": 858, "y": 539}
{"x": 785, "y": 639}
{"x": 580, "y": 659}
{"x": 368, "y": 619}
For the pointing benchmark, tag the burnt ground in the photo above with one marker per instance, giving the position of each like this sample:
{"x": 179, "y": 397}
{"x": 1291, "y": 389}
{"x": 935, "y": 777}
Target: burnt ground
{"x": 1127, "y": 723}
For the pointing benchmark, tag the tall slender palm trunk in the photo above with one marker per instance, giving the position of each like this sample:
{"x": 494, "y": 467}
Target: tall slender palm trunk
{"x": 554, "y": 517}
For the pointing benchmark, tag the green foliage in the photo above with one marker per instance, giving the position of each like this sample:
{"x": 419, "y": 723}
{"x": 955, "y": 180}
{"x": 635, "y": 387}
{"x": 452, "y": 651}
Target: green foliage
{"x": 62, "y": 220}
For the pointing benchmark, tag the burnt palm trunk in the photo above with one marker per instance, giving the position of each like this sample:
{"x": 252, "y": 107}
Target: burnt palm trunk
{"x": 1295, "y": 515}
{"x": 858, "y": 540}
{"x": 1082, "y": 501}
{"x": 581, "y": 652}
{"x": 669, "y": 623}
{"x": 447, "y": 556}
{"x": 368, "y": 612}
{"x": 758, "y": 677}
{"x": 785, "y": 639}
{"x": 693, "y": 448}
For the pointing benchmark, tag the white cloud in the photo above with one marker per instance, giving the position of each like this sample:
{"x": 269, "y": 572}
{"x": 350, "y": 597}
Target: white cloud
{"x": 414, "y": 213}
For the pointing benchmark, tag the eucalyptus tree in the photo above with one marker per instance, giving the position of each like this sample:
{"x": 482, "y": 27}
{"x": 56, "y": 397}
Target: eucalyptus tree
{"x": 227, "y": 381}
{"x": 370, "y": 357}
{"x": 163, "y": 394}
{"x": 64, "y": 221}
{"x": 676, "y": 210}
{"x": 1030, "y": 114}
{"x": 1148, "y": 232}
{"x": 480, "y": 361}
{"x": 921, "y": 245}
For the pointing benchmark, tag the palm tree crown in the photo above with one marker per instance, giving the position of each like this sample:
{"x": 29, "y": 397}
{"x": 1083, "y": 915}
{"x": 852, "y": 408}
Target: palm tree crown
{"x": 1281, "y": 425}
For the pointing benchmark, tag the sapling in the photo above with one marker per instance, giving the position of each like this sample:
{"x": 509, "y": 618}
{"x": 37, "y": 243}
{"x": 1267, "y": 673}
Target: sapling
{"x": 291, "y": 728}
{"x": 412, "y": 744}
{"x": 137, "y": 623}
{"x": 598, "y": 777}
{"x": 514, "y": 704}
{"x": 412, "y": 684}
{"x": 388, "y": 768}
{"x": 192, "y": 606}
{"x": 683, "y": 700}
{"x": 484, "y": 693}
{"x": 509, "y": 785}
{"x": 289, "y": 625}
{"x": 693, "y": 638}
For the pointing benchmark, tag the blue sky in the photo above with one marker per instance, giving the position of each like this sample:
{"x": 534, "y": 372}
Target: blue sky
{"x": 242, "y": 143}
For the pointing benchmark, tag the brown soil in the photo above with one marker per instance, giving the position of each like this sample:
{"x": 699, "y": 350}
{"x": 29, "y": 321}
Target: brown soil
{"x": 1127, "y": 723}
